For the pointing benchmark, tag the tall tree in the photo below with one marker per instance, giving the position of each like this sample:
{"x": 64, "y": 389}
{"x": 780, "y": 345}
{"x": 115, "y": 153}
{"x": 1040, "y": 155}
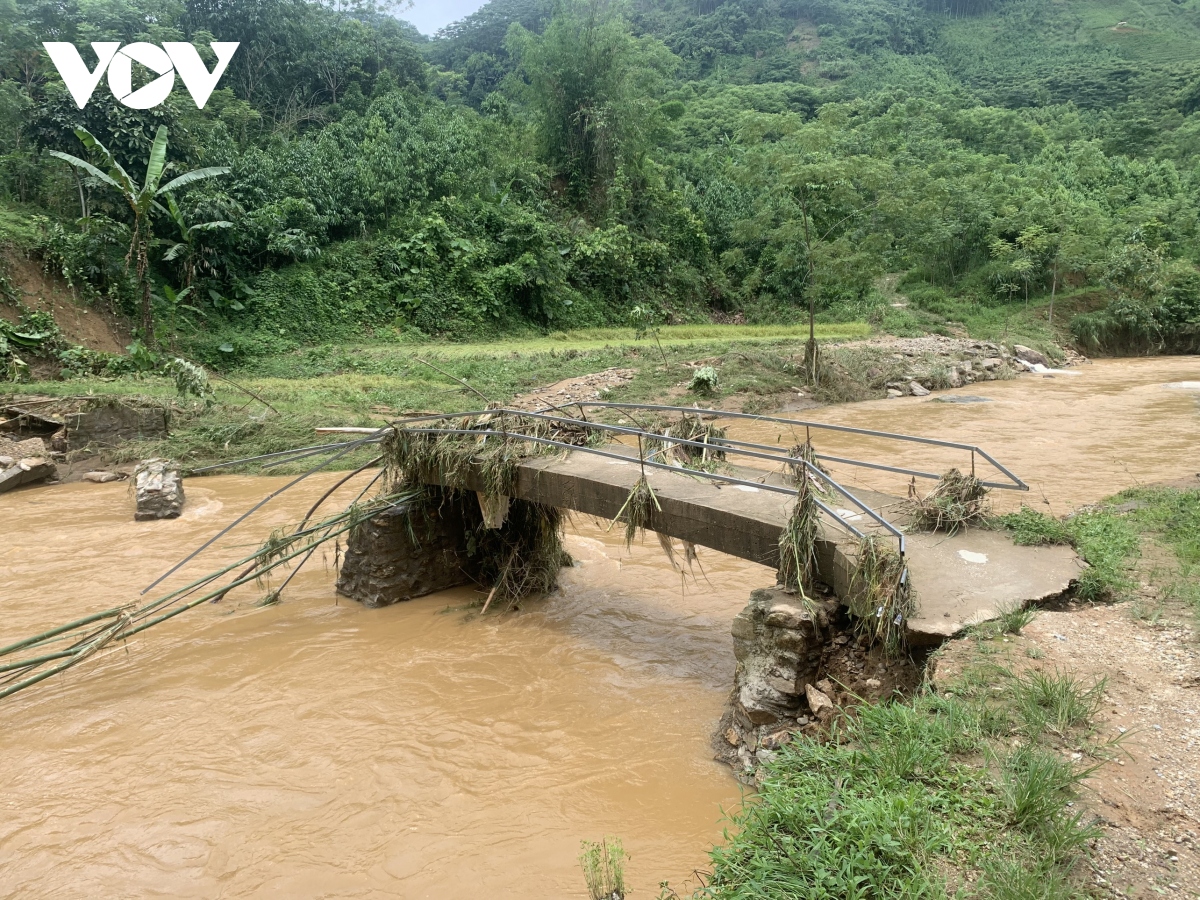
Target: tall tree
{"x": 590, "y": 84}
{"x": 143, "y": 202}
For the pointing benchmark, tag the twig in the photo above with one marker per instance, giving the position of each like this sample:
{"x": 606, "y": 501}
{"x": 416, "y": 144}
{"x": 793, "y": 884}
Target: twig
{"x": 246, "y": 390}
{"x": 474, "y": 390}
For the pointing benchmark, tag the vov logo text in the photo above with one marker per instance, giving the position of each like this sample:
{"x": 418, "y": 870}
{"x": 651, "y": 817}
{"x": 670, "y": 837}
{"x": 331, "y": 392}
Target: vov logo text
{"x": 172, "y": 58}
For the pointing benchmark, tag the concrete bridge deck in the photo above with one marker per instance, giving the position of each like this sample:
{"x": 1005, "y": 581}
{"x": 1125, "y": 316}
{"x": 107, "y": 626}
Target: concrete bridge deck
{"x": 958, "y": 580}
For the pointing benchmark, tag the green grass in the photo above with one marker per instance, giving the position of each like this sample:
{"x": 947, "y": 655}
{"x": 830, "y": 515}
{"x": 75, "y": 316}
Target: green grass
{"x": 1109, "y": 537}
{"x": 593, "y": 339}
{"x": 350, "y": 385}
{"x": 924, "y": 799}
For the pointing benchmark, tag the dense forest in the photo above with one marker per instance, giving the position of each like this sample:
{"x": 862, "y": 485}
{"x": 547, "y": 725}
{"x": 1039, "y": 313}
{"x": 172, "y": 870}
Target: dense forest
{"x": 556, "y": 164}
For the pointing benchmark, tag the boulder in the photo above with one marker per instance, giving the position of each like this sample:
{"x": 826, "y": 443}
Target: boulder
{"x": 158, "y": 490}
{"x": 893, "y": 394}
{"x": 991, "y": 364}
{"x": 26, "y": 471}
{"x": 1031, "y": 356}
{"x": 917, "y": 389}
{"x": 817, "y": 700}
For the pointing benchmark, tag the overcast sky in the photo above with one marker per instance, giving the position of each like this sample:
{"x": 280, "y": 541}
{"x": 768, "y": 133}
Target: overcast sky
{"x": 430, "y": 15}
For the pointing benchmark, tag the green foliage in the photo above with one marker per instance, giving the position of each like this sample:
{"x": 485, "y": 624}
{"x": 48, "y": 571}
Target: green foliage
{"x": 897, "y": 806}
{"x": 569, "y": 162}
{"x": 704, "y": 381}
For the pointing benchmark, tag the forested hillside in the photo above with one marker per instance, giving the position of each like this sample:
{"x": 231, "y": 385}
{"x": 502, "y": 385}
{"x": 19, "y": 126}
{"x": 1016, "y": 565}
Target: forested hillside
{"x": 547, "y": 166}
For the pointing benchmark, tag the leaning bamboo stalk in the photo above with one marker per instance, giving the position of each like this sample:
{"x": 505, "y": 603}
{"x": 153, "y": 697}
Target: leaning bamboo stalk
{"x": 75, "y": 659}
{"x": 35, "y": 661}
{"x": 54, "y": 632}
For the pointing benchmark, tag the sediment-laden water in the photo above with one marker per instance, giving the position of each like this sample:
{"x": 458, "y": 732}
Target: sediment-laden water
{"x": 319, "y": 749}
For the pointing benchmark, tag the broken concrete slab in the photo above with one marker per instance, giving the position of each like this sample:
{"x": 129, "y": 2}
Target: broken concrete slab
{"x": 26, "y": 471}
{"x": 158, "y": 489}
{"x": 975, "y": 575}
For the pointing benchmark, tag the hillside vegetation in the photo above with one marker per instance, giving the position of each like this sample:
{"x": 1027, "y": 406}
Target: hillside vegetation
{"x": 545, "y": 167}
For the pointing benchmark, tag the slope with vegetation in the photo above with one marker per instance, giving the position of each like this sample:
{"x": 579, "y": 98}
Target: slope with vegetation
{"x": 552, "y": 166}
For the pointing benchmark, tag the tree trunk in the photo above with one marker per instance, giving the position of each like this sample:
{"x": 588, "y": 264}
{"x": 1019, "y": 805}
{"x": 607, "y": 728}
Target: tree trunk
{"x": 1053, "y": 291}
{"x": 143, "y": 266}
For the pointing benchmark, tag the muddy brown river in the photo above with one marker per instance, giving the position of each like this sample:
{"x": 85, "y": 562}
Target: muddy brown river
{"x": 319, "y": 749}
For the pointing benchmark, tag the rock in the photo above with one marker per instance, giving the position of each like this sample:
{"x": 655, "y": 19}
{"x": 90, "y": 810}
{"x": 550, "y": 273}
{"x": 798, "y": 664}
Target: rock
{"x": 103, "y": 477}
{"x": 991, "y": 364}
{"x": 817, "y": 701}
{"x": 825, "y": 686}
{"x": 917, "y": 389}
{"x": 34, "y": 446}
{"x": 787, "y": 615}
{"x": 732, "y": 737}
{"x": 765, "y": 756}
{"x": 873, "y": 683}
{"x": 26, "y": 471}
{"x": 955, "y": 377}
{"x": 783, "y": 685}
{"x": 777, "y": 739}
{"x": 754, "y": 703}
{"x": 6, "y": 461}
{"x": 1031, "y": 356}
{"x": 893, "y": 394}
{"x": 158, "y": 489}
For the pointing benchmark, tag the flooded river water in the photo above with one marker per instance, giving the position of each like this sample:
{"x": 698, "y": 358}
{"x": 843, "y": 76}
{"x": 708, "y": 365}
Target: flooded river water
{"x": 319, "y": 749}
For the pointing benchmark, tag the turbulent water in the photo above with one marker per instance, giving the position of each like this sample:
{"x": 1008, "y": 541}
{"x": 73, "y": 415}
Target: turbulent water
{"x": 319, "y": 749}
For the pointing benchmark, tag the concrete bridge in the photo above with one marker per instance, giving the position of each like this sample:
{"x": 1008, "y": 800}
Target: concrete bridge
{"x": 958, "y": 579}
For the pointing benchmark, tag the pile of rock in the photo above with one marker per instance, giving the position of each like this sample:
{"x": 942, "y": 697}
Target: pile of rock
{"x": 779, "y": 642}
{"x": 984, "y": 361}
{"x": 158, "y": 489}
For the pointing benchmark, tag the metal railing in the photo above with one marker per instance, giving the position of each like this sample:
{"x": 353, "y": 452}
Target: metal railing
{"x": 489, "y": 423}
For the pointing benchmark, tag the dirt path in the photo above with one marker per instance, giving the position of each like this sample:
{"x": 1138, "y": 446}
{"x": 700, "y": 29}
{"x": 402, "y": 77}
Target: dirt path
{"x": 1146, "y": 795}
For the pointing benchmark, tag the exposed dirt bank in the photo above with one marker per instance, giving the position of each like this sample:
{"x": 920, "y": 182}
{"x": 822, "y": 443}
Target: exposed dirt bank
{"x": 1145, "y": 794}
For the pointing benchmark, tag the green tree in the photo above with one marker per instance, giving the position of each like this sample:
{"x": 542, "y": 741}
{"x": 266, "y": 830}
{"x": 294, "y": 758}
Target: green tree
{"x": 592, "y": 85}
{"x": 143, "y": 202}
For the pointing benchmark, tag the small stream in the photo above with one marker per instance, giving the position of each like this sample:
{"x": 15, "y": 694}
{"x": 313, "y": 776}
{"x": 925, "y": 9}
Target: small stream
{"x": 319, "y": 749}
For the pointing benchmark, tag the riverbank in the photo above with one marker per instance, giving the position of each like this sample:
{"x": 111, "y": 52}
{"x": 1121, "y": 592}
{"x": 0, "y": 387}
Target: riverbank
{"x": 277, "y": 403}
{"x": 1050, "y": 754}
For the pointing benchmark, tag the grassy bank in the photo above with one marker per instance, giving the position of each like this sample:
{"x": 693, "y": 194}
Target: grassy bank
{"x": 971, "y": 788}
{"x": 1143, "y": 542}
{"x": 962, "y": 791}
{"x": 274, "y": 403}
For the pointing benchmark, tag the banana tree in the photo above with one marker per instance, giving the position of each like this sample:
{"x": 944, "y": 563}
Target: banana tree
{"x": 143, "y": 202}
